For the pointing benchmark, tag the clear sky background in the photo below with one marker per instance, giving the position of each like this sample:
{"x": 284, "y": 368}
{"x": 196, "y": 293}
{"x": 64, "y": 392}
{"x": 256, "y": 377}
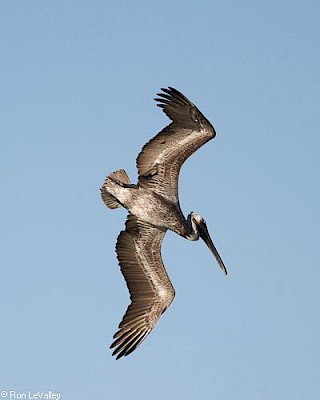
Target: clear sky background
{"x": 78, "y": 80}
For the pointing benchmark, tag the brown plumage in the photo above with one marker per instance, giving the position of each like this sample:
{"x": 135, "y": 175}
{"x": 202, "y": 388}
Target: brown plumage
{"x": 160, "y": 160}
{"x": 153, "y": 206}
{"x": 151, "y": 292}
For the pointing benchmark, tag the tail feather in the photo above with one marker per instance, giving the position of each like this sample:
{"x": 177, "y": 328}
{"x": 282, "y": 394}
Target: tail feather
{"x": 109, "y": 200}
{"x": 120, "y": 176}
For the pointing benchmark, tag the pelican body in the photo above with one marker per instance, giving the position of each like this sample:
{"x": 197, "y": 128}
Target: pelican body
{"x": 153, "y": 208}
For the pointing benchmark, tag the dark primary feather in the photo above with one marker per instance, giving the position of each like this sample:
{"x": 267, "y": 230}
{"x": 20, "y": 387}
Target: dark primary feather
{"x": 151, "y": 292}
{"x": 180, "y": 109}
{"x": 160, "y": 160}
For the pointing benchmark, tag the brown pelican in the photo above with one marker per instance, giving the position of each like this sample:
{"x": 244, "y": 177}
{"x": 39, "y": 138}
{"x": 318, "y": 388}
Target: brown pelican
{"x": 153, "y": 206}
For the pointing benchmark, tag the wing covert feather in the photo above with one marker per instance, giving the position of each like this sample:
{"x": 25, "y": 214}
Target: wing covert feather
{"x": 151, "y": 292}
{"x": 160, "y": 159}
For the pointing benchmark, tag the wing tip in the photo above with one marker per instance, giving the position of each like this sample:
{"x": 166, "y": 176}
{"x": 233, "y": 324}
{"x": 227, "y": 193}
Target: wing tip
{"x": 128, "y": 342}
{"x": 181, "y": 110}
{"x": 170, "y": 95}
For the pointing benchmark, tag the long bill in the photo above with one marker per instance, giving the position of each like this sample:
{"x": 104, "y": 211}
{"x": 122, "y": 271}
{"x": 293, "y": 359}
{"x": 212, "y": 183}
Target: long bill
{"x": 205, "y": 236}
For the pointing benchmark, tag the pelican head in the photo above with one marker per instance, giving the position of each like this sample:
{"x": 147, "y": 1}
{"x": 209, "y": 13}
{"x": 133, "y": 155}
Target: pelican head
{"x": 199, "y": 229}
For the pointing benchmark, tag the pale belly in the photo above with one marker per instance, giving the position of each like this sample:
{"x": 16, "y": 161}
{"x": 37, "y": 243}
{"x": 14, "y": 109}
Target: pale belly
{"x": 150, "y": 207}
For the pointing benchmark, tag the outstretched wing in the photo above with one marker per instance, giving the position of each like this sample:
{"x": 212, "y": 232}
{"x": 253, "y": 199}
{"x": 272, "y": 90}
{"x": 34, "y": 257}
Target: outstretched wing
{"x": 151, "y": 292}
{"x": 160, "y": 160}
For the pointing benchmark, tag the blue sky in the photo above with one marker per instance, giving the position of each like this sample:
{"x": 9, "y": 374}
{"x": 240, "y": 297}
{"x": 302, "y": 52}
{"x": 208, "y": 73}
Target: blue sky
{"x": 77, "y": 81}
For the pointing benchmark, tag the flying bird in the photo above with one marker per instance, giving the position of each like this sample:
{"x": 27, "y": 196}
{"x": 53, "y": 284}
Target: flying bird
{"x": 153, "y": 208}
